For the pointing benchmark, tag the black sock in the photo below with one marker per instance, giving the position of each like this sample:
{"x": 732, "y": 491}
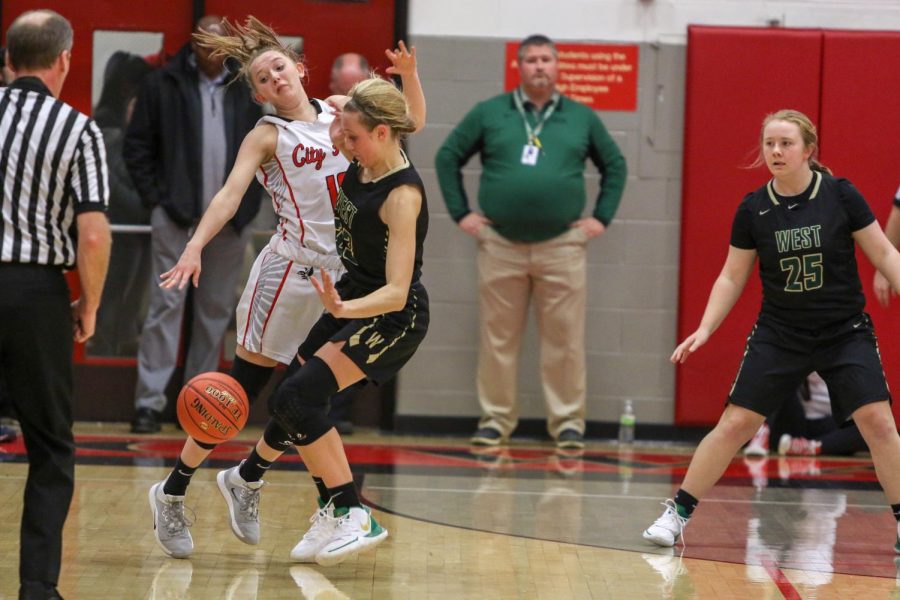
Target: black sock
{"x": 253, "y": 378}
{"x": 324, "y": 496}
{"x": 254, "y": 467}
{"x": 179, "y": 478}
{"x": 896, "y": 509}
{"x": 344, "y": 496}
{"x": 685, "y": 503}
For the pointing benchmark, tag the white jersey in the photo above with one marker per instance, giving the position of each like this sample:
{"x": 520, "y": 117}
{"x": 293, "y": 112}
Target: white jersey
{"x": 303, "y": 179}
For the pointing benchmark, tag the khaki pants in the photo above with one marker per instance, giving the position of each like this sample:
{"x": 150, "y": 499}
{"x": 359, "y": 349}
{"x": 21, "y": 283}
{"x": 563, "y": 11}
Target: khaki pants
{"x": 553, "y": 275}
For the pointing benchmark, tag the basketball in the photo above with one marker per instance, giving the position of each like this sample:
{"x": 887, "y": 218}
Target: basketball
{"x": 212, "y": 407}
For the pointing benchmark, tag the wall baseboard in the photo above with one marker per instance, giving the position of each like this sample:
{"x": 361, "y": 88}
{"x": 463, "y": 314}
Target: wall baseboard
{"x": 537, "y": 429}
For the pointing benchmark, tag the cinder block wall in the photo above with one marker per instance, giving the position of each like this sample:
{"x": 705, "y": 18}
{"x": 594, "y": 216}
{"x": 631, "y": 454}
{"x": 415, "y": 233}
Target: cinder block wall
{"x": 633, "y": 268}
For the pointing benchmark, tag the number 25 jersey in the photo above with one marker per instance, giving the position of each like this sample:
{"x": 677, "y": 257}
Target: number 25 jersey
{"x": 807, "y": 254}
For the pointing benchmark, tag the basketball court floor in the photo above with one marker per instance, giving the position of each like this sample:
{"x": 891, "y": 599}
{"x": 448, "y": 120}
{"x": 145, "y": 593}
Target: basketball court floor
{"x": 514, "y": 523}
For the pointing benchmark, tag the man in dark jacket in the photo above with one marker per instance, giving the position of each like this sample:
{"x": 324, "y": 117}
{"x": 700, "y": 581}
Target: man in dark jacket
{"x": 187, "y": 127}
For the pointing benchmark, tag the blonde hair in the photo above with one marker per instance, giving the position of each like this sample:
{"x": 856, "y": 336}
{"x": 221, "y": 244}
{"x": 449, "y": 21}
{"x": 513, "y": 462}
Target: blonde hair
{"x": 807, "y": 133}
{"x": 379, "y": 102}
{"x": 244, "y": 43}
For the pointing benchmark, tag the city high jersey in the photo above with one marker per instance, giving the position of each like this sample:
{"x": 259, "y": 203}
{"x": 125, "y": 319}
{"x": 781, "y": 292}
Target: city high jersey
{"x": 807, "y": 255}
{"x": 303, "y": 178}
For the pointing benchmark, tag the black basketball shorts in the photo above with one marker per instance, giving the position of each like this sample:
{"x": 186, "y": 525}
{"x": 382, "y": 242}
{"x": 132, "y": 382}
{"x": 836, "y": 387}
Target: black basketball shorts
{"x": 778, "y": 358}
{"x": 379, "y": 346}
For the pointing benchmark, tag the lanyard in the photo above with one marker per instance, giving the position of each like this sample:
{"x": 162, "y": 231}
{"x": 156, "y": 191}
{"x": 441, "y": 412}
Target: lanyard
{"x": 541, "y": 118}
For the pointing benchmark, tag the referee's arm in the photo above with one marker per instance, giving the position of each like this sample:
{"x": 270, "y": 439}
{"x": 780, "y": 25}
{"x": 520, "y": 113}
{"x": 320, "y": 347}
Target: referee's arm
{"x": 91, "y": 190}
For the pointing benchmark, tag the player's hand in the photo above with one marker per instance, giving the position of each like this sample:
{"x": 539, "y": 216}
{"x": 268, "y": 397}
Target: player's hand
{"x": 473, "y": 222}
{"x": 591, "y": 226}
{"x": 403, "y": 61}
{"x": 883, "y": 289}
{"x": 337, "y": 102}
{"x": 84, "y": 321}
{"x": 327, "y": 294}
{"x": 186, "y": 269}
{"x": 690, "y": 345}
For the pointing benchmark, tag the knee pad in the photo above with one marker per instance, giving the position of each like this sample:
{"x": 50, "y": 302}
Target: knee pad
{"x": 204, "y": 445}
{"x": 300, "y": 405}
{"x": 276, "y": 437}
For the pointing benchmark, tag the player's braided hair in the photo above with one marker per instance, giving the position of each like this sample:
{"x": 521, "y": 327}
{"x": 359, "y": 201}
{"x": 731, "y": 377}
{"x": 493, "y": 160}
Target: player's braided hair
{"x": 244, "y": 43}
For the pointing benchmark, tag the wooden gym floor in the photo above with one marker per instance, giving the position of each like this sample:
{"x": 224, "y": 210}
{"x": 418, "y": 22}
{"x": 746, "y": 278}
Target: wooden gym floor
{"x": 513, "y": 523}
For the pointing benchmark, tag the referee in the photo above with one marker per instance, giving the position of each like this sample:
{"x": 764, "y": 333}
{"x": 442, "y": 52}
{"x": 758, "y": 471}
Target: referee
{"x": 55, "y": 192}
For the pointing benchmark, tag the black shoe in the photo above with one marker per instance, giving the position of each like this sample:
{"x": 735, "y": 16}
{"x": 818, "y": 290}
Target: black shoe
{"x": 344, "y": 427}
{"x": 570, "y": 438}
{"x": 486, "y": 436}
{"x": 146, "y": 420}
{"x": 38, "y": 590}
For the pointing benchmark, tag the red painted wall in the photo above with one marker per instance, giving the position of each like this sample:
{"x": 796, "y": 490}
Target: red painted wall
{"x": 328, "y": 29}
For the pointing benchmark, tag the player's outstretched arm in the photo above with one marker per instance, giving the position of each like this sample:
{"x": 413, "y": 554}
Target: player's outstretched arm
{"x": 257, "y": 148}
{"x": 725, "y": 292}
{"x": 403, "y": 63}
{"x": 881, "y": 253}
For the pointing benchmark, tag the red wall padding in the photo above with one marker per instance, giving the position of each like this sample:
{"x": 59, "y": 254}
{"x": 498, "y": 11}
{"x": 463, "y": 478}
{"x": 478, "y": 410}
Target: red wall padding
{"x": 860, "y": 131}
{"x": 735, "y": 76}
{"x": 86, "y": 17}
{"x": 328, "y": 29}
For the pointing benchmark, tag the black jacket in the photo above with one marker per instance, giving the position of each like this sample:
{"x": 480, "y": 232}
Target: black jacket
{"x": 163, "y": 142}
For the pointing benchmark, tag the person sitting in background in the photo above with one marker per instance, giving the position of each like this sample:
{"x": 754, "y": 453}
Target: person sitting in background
{"x": 806, "y": 427}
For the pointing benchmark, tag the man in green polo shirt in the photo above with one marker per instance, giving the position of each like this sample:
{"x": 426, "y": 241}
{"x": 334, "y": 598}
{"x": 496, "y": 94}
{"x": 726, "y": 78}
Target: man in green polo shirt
{"x": 532, "y": 236}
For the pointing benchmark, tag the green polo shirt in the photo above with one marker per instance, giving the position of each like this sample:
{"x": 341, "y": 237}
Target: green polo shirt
{"x": 531, "y": 203}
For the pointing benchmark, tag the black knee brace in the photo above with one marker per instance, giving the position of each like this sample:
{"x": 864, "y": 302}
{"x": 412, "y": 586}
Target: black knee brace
{"x": 300, "y": 404}
{"x": 276, "y": 437}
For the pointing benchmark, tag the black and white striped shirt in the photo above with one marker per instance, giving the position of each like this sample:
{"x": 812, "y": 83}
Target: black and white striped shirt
{"x": 53, "y": 165}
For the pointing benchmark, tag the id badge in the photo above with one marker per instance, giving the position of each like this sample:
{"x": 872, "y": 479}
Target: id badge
{"x": 530, "y": 154}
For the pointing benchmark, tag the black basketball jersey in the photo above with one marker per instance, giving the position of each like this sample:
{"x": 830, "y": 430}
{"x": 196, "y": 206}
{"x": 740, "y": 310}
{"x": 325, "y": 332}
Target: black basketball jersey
{"x": 362, "y": 236}
{"x": 807, "y": 255}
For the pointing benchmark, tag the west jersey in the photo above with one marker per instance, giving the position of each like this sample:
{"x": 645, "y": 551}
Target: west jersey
{"x": 305, "y": 169}
{"x": 363, "y": 236}
{"x": 807, "y": 255}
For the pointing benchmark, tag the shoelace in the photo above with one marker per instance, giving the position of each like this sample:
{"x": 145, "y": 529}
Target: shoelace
{"x": 248, "y": 503}
{"x": 174, "y": 518}
{"x": 679, "y": 520}
{"x": 319, "y": 518}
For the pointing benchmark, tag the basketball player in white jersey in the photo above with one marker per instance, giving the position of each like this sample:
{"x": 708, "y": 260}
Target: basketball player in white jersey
{"x": 292, "y": 156}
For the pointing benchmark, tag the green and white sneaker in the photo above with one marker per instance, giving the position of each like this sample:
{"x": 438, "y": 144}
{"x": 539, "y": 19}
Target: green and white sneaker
{"x": 170, "y": 526}
{"x": 355, "y": 531}
{"x": 318, "y": 536}
{"x": 897, "y": 543}
{"x": 666, "y": 530}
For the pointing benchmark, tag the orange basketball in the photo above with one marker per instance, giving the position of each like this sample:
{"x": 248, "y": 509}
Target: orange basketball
{"x": 212, "y": 407}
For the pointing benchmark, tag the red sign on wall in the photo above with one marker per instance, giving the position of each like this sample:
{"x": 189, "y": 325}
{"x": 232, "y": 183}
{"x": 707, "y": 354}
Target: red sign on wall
{"x": 602, "y": 76}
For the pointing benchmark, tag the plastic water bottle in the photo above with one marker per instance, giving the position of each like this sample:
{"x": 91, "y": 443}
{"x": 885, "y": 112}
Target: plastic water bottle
{"x": 626, "y": 424}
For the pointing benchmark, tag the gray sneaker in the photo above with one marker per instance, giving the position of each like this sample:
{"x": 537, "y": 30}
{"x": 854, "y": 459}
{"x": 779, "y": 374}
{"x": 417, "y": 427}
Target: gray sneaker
{"x": 242, "y": 498}
{"x": 169, "y": 523}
